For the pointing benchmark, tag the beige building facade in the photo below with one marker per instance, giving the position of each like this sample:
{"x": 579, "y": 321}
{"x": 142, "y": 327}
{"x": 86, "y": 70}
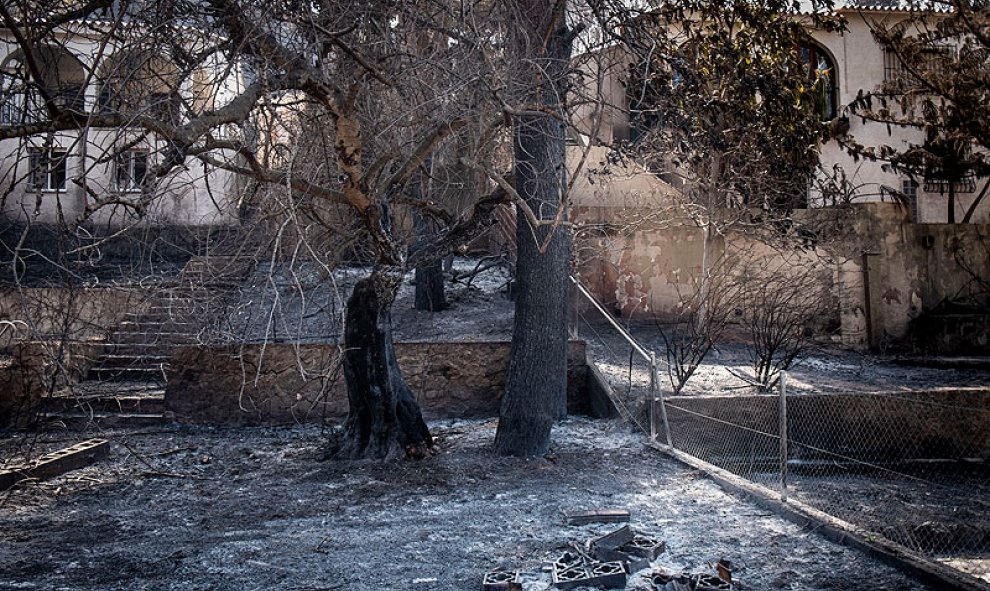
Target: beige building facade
{"x": 854, "y": 62}
{"x": 887, "y": 264}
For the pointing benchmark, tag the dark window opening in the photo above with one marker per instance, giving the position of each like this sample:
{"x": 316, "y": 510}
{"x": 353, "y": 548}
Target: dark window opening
{"x": 47, "y": 170}
{"x": 131, "y": 170}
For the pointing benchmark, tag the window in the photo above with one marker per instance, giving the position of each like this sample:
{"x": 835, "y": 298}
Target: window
{"x": 823, "y": 77}
{"x": 60, "y": 76}
{"x": 165, "y": 106}
{"x": 11, "y": 109}
{"x": 930, "y": 61}
{"x": 106, "y": 102}
{"x": 131, "y": 170}
{"x": 47, "y": 170}
{"x": 22, "y": 107}
{"x": 909, "y": 187}
{"x": 70, "y": 97}
{"x": 893, "y": 67}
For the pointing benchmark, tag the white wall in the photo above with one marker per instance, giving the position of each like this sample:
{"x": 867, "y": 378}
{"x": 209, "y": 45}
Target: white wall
{"x": 188, "y": 195}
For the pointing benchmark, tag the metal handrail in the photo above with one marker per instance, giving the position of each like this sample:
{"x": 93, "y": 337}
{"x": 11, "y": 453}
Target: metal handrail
{"x": 656, "y": 392}
{"x": 648, "y": 356}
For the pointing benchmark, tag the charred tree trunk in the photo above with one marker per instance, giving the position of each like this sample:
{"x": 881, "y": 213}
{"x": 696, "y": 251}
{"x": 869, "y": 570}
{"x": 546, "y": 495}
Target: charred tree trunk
{"x": 536, "y": 385}
{"x": 384, "y": 420}
{"x": 430, "y": 294}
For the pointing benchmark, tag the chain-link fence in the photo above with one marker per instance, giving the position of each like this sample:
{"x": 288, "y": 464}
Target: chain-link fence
{"x": 909, "y": 466}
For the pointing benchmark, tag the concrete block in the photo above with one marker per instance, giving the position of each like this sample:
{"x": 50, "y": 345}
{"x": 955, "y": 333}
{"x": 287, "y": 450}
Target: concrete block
{"x": 501, "y": 581}
{"x": 710, "y": 583}
{"x": 645, "y": 547}
{"x": 56, "y": 463}
{"x": 570, "y": 571}
{"x": 596, "y": 516}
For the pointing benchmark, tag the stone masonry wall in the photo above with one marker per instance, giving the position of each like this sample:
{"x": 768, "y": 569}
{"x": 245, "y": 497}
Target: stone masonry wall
{"x": 284, "y": 383}
{"x": 34, "y": 369}
{"x": 82, "y": 313}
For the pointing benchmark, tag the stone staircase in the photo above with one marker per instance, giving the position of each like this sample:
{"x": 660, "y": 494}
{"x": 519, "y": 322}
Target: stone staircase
{"x": 126, "y": 385}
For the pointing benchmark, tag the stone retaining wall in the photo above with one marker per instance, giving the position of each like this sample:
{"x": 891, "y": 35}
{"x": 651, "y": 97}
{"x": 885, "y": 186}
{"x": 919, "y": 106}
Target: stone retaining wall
{"x": 284, "y": 383}
{"x": 34, "y": 369}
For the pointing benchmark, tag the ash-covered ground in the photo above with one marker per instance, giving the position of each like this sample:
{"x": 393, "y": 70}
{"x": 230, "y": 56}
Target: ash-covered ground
{"x": 246, "y": 509}
{"x": 304, "y": 304}
{"x": 242, "y": 509}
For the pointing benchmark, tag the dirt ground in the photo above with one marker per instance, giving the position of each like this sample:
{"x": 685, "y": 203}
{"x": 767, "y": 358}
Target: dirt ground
{"x": 244, "y": 509}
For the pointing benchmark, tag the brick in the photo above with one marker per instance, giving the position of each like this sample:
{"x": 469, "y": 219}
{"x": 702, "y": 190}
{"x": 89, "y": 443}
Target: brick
{"x": 611, "y": 541}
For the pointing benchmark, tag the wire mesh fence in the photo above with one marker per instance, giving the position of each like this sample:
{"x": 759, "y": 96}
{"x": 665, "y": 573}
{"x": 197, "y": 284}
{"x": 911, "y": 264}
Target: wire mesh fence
{"x": 910, "y": 466}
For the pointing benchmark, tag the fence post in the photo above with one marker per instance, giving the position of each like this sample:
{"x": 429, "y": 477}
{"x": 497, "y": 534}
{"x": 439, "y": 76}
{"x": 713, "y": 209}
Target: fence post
{"x": 783, "y": 436}
{"x": 653, "y": 397}
{"x": 656, "y": 393}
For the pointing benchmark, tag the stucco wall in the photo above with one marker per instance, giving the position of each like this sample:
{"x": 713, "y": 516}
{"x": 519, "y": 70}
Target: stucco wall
{"x": 880, "y": 270}
{"x": 653, "y": 267}
{"x": 282, "y": 383}
{"x": 909, "y": 268}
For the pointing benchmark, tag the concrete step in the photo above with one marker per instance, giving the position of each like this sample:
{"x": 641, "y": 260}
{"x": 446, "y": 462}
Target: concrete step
{"x": 155, "y": 338}
{"x": 151, "y": 403}
{"x": 166, "y": 326}
{"x": 138, "y": 349}
{"x": 77, "y": 420}
{"x": 114, "y": 374}
{"x": 126, "y": 359}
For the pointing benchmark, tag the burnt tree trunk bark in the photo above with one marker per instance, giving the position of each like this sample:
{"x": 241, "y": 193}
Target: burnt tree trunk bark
{"x": 384, "y": 420}
{"x": 536, "y": 385}
{"x": 429, "y": 293}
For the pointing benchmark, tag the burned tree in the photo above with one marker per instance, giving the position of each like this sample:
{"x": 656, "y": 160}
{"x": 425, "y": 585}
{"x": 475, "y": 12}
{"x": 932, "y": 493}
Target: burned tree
{"x": 723, "y": 109}
{"x": 385, "y": 102}
{"x": 536, "y": 386}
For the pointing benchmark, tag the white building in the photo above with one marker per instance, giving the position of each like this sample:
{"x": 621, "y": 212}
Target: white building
{"x": 858, "y": 62}
{"x": 98, "y": 174}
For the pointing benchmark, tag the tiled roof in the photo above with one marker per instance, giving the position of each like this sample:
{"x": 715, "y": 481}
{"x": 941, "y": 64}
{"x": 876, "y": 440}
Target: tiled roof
{"x": 938, "y": 6}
